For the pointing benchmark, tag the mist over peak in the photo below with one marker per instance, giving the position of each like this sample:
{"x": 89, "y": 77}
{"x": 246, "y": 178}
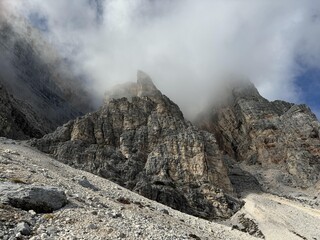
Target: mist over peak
{"x": 188, "y": 47}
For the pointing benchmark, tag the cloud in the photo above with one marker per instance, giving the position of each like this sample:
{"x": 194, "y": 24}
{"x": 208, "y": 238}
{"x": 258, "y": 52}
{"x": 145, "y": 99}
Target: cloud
{"x": 186, "y": 46}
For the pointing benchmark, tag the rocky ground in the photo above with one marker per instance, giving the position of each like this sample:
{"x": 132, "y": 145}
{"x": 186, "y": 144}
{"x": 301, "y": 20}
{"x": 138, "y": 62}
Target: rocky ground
{"x": 100, "y": 209}
{"x": 273, "y": 217}
{"x": 96, "y": 208}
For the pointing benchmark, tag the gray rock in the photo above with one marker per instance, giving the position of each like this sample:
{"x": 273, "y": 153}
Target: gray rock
{"x": 246, "y": 224}
{"x": 164, "y": 211}
{"x": 23, "y": 228}
{"x": 94, "y": 212}
{"x": 275, "y": 135}
{"x": 30, "y": 75}
{"x": 41, "y": 199}
{"x": 115, "y": 215}
{"x": 83, "y": 181}
{"x": 52, "y": 231}
{"x": 14, "y": 123}
{"x": 143, "y": 143}
{"x": 122, "y": 235}
{"x": 92, "y": 226}
{"x": 33, "y": 213}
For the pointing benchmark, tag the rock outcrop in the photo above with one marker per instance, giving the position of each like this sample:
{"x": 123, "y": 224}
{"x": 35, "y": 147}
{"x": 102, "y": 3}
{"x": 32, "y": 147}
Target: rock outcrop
{"x": 278, "y": 139}
{"x": 144, "y": 143}
{"x": 15, "y": 122}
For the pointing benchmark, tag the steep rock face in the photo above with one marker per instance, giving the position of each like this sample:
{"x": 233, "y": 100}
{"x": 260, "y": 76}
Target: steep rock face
{"x": 33, "y": 73}
{"x": 273, "y": 135}
{"x": 13, "y": 122}
{"x": 143, "y": 143}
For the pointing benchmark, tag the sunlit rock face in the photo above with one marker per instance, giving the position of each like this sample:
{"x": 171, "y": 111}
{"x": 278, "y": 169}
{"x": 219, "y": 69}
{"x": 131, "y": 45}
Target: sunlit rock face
{"x": 278, "y": 139}
{"x": 143, "y": 142}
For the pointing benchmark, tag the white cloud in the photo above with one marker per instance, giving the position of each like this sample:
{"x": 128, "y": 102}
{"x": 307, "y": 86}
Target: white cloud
{"x": 186, "y": 46}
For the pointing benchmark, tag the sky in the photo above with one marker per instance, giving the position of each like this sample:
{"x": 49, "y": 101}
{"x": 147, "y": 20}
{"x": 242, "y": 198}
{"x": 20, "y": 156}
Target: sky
{"x": 188, "y": 47}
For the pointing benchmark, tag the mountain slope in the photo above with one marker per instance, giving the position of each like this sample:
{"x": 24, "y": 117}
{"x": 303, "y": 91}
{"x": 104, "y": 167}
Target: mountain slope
{"x": 14, "y": 123}
{"x": 32, "y": 72}
{"x": 143, "y": 143}
{"x": 96, "y": 209}
{"x": 277, "y": 141}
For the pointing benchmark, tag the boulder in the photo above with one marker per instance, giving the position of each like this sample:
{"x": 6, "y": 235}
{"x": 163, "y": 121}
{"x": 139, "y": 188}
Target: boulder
{"x": 23, "y": 228}
{"x": 41, "y": 199}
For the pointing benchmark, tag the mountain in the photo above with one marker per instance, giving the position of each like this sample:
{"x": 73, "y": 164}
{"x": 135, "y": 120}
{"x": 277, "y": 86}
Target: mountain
{"x": 96, "y": 208}
{"x": 140, "y": 140}
{"x": 33, "y": 73}
{"x": 249, "y": 163}
{"x": 278, "y": 142}
{"x": 17, "y": 120}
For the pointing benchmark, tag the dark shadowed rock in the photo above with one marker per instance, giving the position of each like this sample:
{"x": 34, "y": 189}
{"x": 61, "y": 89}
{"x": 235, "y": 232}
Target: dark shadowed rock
{"x": 23, "y": 228}
{"x": 144, "y": 143}
{"x": 83, "y": 181}
{"x": 14, "y": 123}
{"x": 246, "y": 224}
{"x": 43, "y": 92}
{"x": 41, "y": 199}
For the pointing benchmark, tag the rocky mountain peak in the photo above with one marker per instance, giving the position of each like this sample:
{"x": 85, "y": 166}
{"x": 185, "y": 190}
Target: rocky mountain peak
{"x": 144, "y": 87}
{"x": 244, "y": 89}
{"x": 143, "y": 79}
{"x": 141, "y": 140}
{"x": 280, "y": 139}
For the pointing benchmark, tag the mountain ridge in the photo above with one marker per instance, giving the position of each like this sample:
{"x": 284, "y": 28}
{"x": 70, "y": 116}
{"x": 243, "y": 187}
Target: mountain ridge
{"x": 270, "y": 135}
{"x": 140, "y": 140}
{"x": 146, "y": 145}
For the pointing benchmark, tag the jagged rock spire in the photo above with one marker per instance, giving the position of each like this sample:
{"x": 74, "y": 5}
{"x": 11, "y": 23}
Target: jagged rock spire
{"x": 143, "y": 87}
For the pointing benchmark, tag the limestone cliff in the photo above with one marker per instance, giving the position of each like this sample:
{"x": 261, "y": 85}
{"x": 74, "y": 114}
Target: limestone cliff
{"x": 280, "y": 139}
{"x": 143, "y": 142}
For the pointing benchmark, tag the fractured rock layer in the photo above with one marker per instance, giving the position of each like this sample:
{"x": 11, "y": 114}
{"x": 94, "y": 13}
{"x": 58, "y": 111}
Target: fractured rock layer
{"x": 143, "y": 143}
{"x": 275, "y": 135}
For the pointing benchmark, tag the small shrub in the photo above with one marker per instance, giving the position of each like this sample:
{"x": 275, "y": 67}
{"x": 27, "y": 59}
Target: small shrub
{"x": 17, "y": 180}
{"x": 124, "y": 200}
{"x": 48, "y": 216}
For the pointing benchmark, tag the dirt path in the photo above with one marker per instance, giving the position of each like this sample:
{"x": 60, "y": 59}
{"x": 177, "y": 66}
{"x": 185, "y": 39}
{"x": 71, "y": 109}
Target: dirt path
{"x": 280, "y": 218}
{"x": 298, "y": 206}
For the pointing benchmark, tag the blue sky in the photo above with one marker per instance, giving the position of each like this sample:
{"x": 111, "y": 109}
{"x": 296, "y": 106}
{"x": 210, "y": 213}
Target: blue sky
{"x": 309, "y": 83}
